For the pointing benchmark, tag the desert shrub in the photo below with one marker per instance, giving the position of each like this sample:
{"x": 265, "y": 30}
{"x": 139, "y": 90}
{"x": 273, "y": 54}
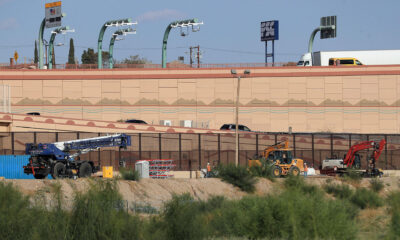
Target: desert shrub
{"x": 129, "y": 174}
{"x": 376, "y": 185}
{"x": 340, "y": 191}
{"x": 15, "y": 214}
{"x": 290, "y": 215}
{"x": 394, "y": 209}
{"x": 365, "y": 198}
{"x": 264, "y": 171}
{"x": 99, "y": 213}
{"x": 182, "y": 218}
{"x": 353, "y": 176}
{"x": 298, "y": 183}
{"x": 237, "y": 176}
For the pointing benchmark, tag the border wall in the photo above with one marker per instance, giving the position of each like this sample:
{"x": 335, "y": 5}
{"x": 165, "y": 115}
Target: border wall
{"x": 193, "y": 151}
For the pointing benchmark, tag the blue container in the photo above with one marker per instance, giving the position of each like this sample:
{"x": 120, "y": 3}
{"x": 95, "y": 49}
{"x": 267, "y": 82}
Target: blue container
{"x": 11, "y": 167}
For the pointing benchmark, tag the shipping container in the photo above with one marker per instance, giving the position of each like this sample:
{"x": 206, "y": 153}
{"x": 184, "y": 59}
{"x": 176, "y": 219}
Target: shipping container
{"x": 11, "y": 167}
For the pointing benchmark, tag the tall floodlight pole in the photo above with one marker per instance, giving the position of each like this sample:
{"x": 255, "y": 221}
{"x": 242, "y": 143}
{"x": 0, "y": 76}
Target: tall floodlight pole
{"x": 62, "y": 30}
{"x": 311, "y": 41}
{"x": 113, "y": 23}
{"x": 123, "y": 32}
{"x": 234, "y": 73}
{"x": 41, "y": 31}
{"x": 49, "y": 22}
{"x": 181, "y": 24}
{"x": 328, "y": 30}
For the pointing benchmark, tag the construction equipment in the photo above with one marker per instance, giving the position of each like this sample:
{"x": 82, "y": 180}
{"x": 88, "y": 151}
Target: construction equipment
{"x": 352, "y": 160}
{"x": 279, "y": 159}
{"x": 56, "y": 158}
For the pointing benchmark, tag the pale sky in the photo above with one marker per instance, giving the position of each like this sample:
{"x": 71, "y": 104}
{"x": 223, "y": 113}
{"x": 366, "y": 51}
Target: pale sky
{"x": 230, "y": 34}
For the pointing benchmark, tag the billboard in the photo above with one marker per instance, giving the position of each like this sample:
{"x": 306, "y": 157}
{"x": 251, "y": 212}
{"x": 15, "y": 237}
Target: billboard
{"x": 53, "y": 14}
{"x": 269, "y": 30}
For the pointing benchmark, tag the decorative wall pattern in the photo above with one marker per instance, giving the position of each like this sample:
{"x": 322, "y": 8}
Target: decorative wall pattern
{"x": 333, "y": 99}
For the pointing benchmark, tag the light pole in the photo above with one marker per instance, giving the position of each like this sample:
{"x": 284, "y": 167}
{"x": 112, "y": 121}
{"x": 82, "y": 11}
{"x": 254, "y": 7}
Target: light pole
{"x": 123, "y": 32}
{"x": 113, "y": 23}
{"x": 60, "y": 30}
{"x": 177, "y": 24}
{"x": 233, "y": 72}
{"x": 45, "y": 44}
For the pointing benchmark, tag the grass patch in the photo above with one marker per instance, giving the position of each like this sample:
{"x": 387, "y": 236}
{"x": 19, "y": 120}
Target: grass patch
{"x": 299, "y": 211}
{"x": 365, "y": 198}
{"x": 376, "y": 185}
{"x": 361, "y": 197}
{"x": 290, "y": 215}
{"x": 394, "y": 210}
{"x": 353, "y": 176}
{"x": 183, "y": 219}
{"x": 297, "y": 183}
{"x": 237, "y": 176}
{"x": 129, "y": 174}
{"x": 341, "y": 191}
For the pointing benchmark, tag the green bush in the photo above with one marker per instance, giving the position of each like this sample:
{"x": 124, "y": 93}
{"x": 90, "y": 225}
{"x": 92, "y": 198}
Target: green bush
{"x": 237, "y": 176}
{"x": 15, "y": 215}
{"x": 376, "y": 185}
{"x": 365, "y": 198}
{"x": 361, "y": 197}
{"x": 298, "y": 183}
{"x": 290, "y": 215}
{"x": 183, "y": 219}
{"x": 264, "y": 171}
{"x": 340, "y": 191}
{"x": 353, "y": 176}
{"x": 129, "y": 174}
{"x": 394, "y": 209}
{"x": 100, "y": 213}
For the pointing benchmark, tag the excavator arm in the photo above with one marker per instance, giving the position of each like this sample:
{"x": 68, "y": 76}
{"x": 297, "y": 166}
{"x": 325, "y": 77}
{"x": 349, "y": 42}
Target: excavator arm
{"x": 350, "y": 156}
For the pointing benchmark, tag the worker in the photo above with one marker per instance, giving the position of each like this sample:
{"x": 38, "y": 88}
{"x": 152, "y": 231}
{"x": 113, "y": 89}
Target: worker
{"x": 208, "y": 170}
{"x": 284, "y": 158}
{"x": 305, "y": 170}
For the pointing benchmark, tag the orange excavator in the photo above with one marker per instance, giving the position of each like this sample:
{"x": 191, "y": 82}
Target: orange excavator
{"x": 352, "y": 160}
{"x": 281, "y": 157}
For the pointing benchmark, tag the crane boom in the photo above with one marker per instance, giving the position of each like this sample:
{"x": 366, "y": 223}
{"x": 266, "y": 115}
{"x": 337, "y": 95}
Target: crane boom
{"x": 56, "y": 159}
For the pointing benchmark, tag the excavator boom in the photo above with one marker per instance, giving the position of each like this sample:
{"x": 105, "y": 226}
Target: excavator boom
{"x": 349, "y": 159}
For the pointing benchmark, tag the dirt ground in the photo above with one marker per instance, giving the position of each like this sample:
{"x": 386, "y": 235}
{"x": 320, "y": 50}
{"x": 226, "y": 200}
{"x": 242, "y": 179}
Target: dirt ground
{"x": 157, "y": 191}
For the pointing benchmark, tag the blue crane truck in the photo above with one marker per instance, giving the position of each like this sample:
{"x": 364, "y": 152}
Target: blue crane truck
{"x": 58, "y": 160}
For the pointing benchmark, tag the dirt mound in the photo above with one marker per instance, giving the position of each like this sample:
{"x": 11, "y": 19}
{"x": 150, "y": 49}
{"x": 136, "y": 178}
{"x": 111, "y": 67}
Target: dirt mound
{"x": 157, "y": 191}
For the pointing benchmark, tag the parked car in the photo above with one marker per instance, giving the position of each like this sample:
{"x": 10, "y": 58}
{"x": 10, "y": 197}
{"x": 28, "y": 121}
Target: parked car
{"x": 34, "y": 113}
{"x": 233, "y": 127}
{"x": 137, "y": 121}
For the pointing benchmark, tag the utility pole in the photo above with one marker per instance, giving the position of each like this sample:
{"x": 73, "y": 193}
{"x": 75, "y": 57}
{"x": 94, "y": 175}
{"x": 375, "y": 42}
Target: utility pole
{"x": 198, "y": 56}
{"x": 191, "y": 59}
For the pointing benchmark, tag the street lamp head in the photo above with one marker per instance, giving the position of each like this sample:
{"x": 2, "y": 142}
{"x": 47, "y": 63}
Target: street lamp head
{"x": 233, "y": 71}
{"x": 246, "y": 71}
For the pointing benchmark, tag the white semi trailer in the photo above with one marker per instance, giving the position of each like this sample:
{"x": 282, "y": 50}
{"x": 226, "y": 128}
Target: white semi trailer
{"x": 366, "y": 57}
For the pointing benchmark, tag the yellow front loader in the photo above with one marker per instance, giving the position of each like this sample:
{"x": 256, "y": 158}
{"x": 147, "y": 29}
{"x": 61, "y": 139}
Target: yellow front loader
{"x": 280, "y": 156}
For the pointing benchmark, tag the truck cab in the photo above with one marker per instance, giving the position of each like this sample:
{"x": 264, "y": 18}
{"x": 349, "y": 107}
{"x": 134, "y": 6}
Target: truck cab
{"x": 344, "y": 61}
{"x": 305, "y": 60}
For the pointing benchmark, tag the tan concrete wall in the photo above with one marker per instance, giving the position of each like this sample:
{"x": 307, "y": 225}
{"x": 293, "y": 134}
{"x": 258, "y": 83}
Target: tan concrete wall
{"x": 339, "y": 99}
